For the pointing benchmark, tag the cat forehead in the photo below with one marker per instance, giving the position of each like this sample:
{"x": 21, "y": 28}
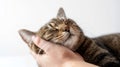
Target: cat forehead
{"x": 56, "y": 21}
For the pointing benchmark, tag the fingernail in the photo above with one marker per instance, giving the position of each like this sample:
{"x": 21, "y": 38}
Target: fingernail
{"x": 36, "y": 39}
{"x": 33, "y": 37}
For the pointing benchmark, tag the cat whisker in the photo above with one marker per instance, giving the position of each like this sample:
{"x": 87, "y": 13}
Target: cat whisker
{"x": 64, "y": 36}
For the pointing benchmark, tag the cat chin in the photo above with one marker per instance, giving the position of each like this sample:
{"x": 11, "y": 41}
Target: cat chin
{"x": 61, "y": 39}
{"x": 66, "y": 35}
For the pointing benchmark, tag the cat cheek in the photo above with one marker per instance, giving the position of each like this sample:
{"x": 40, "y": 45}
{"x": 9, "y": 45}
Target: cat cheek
{"x": 72, "y": 30}
{"x": 72, "y": 45}
{"x": 75, "y": 31}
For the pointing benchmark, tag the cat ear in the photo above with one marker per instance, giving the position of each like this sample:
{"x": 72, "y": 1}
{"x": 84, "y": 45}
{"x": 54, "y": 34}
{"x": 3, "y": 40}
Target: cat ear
{"x": 26, "y": 35}
{"x": 61, "y": 14}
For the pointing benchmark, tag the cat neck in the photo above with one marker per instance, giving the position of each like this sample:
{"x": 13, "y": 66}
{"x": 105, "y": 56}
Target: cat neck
{"x": 84, "y": 44}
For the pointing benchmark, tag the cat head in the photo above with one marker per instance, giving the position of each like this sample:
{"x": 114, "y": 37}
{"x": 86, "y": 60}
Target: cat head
{"x": 60, "y": 30}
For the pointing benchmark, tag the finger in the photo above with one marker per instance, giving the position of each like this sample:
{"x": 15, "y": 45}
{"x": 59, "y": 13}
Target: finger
{"x": 39, "y": 42}
{"x": 36, "y": 39}
{"x": 45, "y": 45}
{"x": 34, "y": 55}
{"x": 39, "y": 58}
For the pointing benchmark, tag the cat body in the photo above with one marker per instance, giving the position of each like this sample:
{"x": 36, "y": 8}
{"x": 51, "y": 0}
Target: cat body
{"x": 102, "y": 51}
{"x": 96, "y": 51}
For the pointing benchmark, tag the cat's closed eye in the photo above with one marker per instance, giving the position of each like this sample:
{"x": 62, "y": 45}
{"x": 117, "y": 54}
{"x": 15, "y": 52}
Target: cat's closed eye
{"x": 103, "y": 51}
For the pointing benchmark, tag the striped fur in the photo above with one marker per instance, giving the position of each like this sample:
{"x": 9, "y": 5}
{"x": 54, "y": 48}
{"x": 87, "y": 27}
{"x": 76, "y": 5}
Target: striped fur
{"x": 102, "y": 51}
{"x": 97, "y": 53}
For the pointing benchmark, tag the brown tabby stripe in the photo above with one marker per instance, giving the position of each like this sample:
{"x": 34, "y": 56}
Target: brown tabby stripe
{"x": 95, "y": 52}
{"x": 82, "y": 50}
{"x": 104, "y": 46}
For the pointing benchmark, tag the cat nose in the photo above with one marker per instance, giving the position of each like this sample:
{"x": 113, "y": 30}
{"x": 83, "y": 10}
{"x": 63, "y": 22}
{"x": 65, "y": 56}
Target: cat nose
{"x": 67, "y": 29}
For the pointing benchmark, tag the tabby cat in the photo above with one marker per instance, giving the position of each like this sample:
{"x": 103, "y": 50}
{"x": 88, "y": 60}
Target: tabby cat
{"x": 102, "y": 51}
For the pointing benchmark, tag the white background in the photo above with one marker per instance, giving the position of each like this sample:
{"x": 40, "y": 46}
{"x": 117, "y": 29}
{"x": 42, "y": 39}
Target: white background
{"x": 95, "y": 17}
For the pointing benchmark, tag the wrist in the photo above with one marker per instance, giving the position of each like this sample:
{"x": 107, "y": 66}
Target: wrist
{"x": 78, "y": 63}
{"x": 71, "y": 63}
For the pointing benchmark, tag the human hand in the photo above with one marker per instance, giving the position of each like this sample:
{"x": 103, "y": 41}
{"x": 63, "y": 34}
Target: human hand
{"x": 57, "y": 56}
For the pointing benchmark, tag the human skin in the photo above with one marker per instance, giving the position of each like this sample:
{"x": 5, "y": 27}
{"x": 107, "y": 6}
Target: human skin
{"x": 57, "y": 56}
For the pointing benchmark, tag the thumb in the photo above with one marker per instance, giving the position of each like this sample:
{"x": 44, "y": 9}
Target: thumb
{"x": 48, "y": 47}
